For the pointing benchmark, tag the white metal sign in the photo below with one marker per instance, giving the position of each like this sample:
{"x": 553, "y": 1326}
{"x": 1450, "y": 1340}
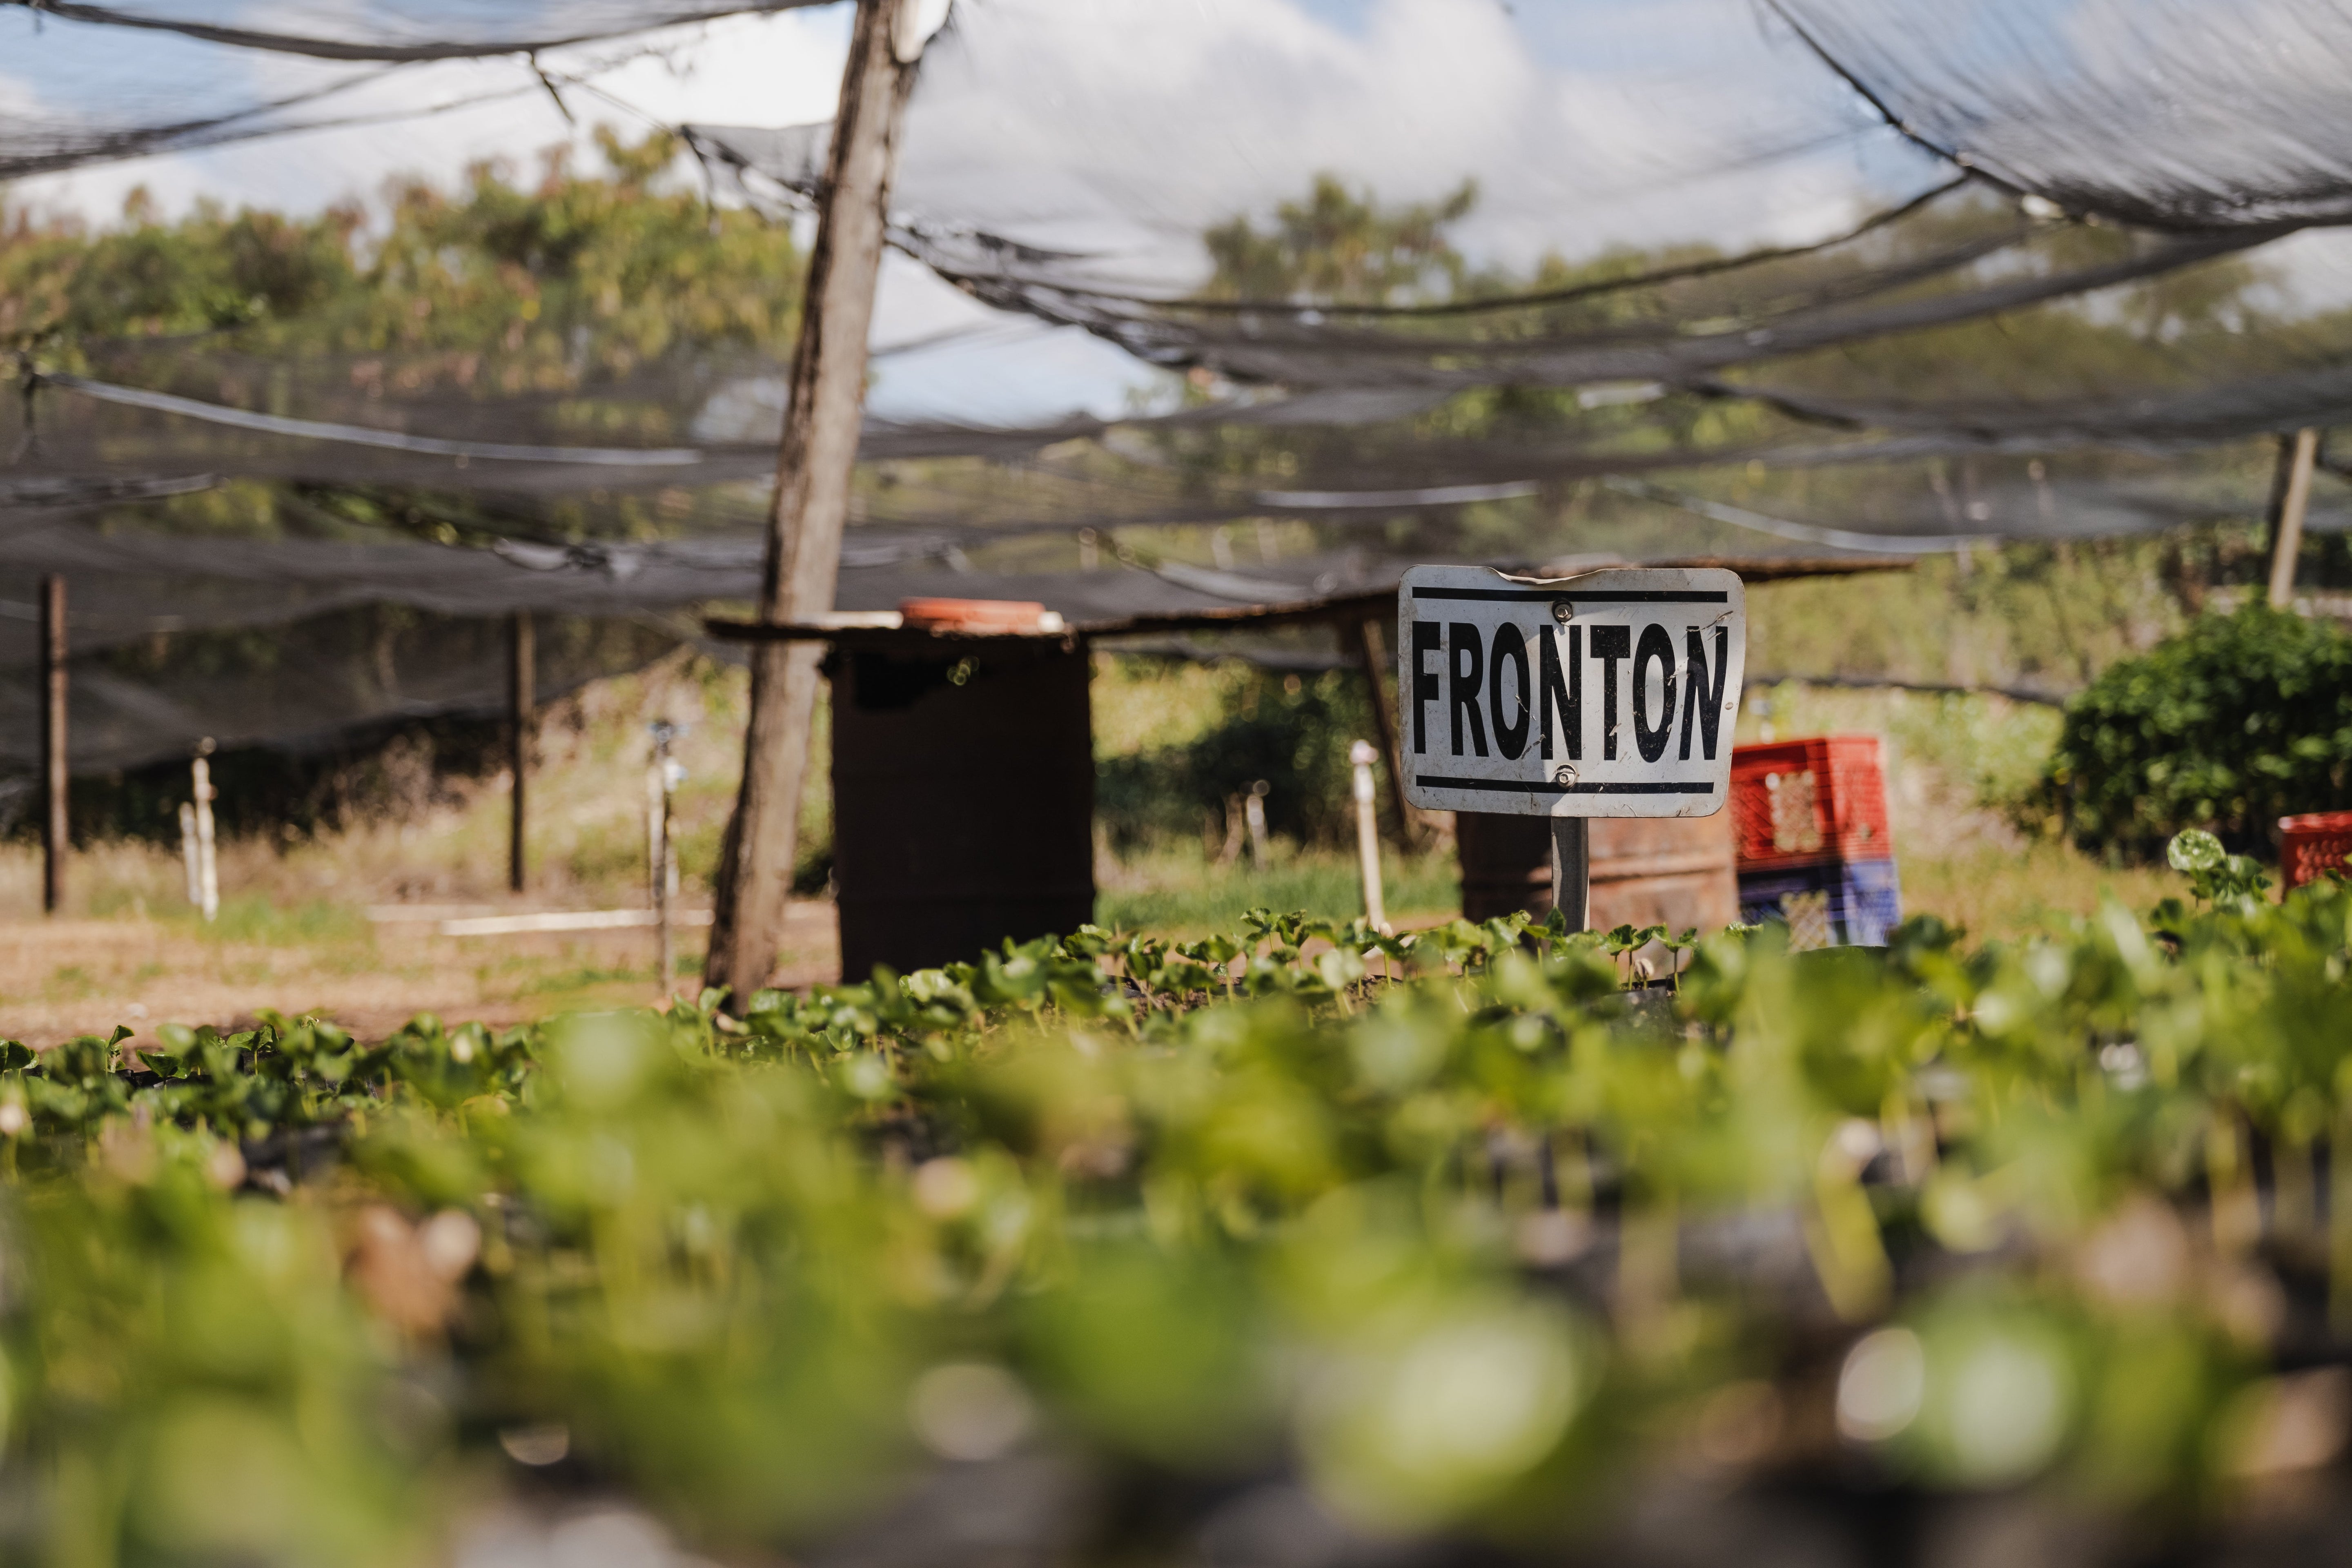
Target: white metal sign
{"x": 1608, "y": 694}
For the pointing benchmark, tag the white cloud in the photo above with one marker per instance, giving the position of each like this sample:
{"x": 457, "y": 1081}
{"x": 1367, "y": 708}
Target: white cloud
{"x": 1127, "y": 126}
{"x": 777, "y": 70}
{"x": 968, "y": 364}
{"x": 774, "y": 69}
{"x": 1124, "y": 128}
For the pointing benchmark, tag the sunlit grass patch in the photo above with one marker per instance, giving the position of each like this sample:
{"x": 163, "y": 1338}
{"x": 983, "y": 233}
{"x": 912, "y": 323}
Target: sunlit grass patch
{"x": 1175, "y": 892}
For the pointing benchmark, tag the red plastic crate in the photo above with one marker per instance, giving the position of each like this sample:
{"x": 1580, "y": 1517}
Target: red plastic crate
{"x": 2314, "y": 845}
{"x": 1800, "y": 803}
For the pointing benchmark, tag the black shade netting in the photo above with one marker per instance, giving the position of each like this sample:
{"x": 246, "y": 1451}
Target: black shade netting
{"x": 1401, "y": 281}
{"x": 94, "y": 83}
{"x": 395, "y": 30}
{"x": 302, "y": 686}
{"x": 2189, "y": 114}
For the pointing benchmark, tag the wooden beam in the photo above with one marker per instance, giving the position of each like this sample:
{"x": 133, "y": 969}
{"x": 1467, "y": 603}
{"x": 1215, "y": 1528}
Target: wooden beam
{"x": 1342, "y": 609}
{"x": 54, "y": 780}
{"x": 823, "y": 410}
{"x": 2288, "y": 544}
{"x": 1249, "y": 617}
{"x": 522, "y": 699}
{"x": 568, "y": 919}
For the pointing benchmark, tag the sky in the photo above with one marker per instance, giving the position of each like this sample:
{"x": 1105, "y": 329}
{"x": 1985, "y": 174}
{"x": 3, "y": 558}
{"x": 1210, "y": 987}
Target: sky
{"x": 1118, "y": 130}
{"x": 778, "y": 69}
{"x": 1585, "y": 123}
{"x": 1120, "y": 127}
{"x": 1124, "y": 128}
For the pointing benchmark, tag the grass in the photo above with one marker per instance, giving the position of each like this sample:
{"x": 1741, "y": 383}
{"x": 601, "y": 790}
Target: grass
{"x": 2003, "y": 889}
{"x": 294, "y": 930}
{"x": 258, "y": 917}
{"x": 2007, "y": 893}
{"x": 1954, "y": 766}
{"x": 1186, "y": 893}
{"x": 449, "y": 844}
{"x": 586, "y": 979}
{"x": 1984, "y": 745}
{"x": 2047, "y": 616}
{"x": 1952, "y": 762}
{"x": 71, "y": 983}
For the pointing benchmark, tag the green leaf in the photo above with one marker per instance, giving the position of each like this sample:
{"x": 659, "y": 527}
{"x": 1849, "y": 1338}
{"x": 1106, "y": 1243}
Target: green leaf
{"x": 2193, "y": 849}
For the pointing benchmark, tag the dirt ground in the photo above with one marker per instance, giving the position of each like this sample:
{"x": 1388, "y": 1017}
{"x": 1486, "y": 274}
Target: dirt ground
{"x": 70, "y": 976}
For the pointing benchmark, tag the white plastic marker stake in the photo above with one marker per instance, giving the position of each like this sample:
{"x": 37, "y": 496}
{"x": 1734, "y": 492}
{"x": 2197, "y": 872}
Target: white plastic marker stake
{"x": 1608, "y": 694}
{"x": 1253, "y": 814}
{"x": 1363, "y": 754}
{"x": 208, "y": 870}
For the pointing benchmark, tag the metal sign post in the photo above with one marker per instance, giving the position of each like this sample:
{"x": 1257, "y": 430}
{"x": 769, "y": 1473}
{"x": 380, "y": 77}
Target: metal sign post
{"x": 54, "y": 782}
{"x": 1609, "y": 694}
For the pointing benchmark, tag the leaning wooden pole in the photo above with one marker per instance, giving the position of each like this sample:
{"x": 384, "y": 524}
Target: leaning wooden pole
{"x": 1372, "y": 658}
{"x": 2288, "y": 544}
{"x": 522, "y": 697}
{"x": 53, "y": 743}
{"x": 822, "y": 415}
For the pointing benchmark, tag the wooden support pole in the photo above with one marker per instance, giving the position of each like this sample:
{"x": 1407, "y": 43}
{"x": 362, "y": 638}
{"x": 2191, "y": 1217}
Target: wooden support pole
{"x": 664, "y": 895}
{"x": 2288, "y": 544}
{"x": 2281, "y": 472}
{"x": 53, "y": 743}
{"x": 822, "y": 417}
{"x": 661, "y": 851}
{"x": 1371, "y": 654}
{"x": 523, "y": 659}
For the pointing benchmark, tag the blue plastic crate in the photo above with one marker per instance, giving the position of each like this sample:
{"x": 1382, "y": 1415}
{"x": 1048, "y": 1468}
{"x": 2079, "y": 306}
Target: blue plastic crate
{"x": 1843, "y": 903}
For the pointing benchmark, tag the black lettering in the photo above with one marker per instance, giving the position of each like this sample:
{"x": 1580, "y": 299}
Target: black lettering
{"x": 1567, "y": 696}
{"x": 1424, "y": 681}
{"x": 1658, "y": 647}
{"x": 1463, "y": 683}
{"x": 1701, "y": 701}
{"x": 1510, "y": 653}
{"x": 1609, "y": 644}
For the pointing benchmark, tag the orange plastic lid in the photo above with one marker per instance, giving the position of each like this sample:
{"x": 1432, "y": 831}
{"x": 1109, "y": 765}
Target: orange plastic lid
{"x": 973, "y": 615}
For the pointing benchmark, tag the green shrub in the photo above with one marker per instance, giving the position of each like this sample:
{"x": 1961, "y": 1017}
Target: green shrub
{"x": 1449, "y": 1231}
{"x": 2237, "y": 721}
{"x": 1291, "y": 731}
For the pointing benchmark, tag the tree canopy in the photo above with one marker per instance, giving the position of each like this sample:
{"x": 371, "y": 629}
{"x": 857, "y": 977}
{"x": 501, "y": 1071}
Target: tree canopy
{"x": 622, "y": 261}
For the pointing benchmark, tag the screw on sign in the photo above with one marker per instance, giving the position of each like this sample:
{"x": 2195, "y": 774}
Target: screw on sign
{"x": 1609, "y": 694}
